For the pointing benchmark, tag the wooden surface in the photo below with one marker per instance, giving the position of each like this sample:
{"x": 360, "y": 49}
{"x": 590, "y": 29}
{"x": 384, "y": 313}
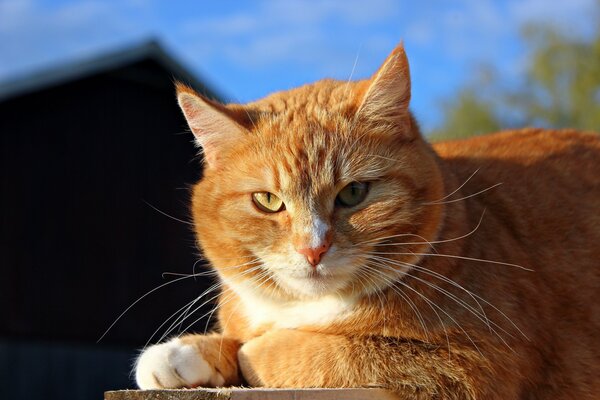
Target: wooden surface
{"x": 251, "y": 394}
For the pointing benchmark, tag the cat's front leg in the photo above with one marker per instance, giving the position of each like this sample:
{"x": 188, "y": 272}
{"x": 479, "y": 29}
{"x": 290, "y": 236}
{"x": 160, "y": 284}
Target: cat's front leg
{"x": 293, "y": 358}
{"x": 190, "y": 361}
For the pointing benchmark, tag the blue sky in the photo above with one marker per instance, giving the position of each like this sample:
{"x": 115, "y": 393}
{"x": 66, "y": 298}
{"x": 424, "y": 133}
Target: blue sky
{"x": 248, "y": 49}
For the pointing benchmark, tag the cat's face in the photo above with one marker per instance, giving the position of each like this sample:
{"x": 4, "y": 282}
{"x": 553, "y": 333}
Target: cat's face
{"x": 302, "y": 188}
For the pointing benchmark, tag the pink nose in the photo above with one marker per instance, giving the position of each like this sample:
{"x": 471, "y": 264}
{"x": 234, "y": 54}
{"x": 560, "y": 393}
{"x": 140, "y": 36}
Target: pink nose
{"x": 313, "y": 255}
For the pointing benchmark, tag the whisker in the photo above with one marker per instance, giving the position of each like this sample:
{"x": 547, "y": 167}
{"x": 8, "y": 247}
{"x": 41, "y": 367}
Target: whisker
{"x": 384, "y": 157}
{"x": 220, "y": 304}
{"x": 430, "y": 304}
{"x": 258, "y": 277}
{"x": 410, "y": 303}
{"x": 203, "y": 304}
{"x": 482, "y": 317}
{"x": 262, "y": 278}
{"x": 456, "y": 257}
{"x": 194, "y": 275}
{"x": 463, "y": 198}
{"x": 225, "y": 328}
{"x": 375, "y": 286}
{"x": 223, "y": 300}
{"x": 203, "y": 258}
{"x": 137, "y": 301}
{"x": 185, "y": 317}
{"x": 188, "y": 306}
{"x": 436, "y": 241}
{"x": 434, "y": 274}
{"x": 445, "y": 313}
{"x": 211, "y": 272}
{"x": 431, "y": 273}
{"x": 167, "y": 215}
{"x": 458, "y": 188}
{"x": 392, "y": 236}
{"x": 474, "y": 296}
{"x": 188, "y": 311}
{"x": 353, "y": 69}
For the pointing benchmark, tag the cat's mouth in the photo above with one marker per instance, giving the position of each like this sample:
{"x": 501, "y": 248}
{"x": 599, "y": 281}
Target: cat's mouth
{"x": 317, "y": 281}
{"x": 320, "y": 275}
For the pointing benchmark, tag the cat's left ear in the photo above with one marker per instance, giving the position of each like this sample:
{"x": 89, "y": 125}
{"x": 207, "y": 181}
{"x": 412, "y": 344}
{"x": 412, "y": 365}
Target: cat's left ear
{"x": 214, "y": 126}
{"x": 387, "y": 95}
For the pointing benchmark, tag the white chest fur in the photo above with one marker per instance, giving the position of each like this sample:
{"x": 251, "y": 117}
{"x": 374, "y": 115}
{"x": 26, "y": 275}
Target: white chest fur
{"x": 281, "y": 315}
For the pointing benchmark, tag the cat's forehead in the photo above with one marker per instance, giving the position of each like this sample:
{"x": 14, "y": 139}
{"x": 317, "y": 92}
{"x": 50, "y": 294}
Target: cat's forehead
{"x": 310, "y": 161}
{"x": 321, "y": 101}
{"x": 305, "y": 161}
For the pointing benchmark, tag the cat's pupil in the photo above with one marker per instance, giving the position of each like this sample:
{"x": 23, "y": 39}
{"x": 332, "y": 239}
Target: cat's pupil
{"x": 353, "y": 194}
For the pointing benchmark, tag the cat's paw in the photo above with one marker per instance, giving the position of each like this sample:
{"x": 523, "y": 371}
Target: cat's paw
{"x": 175, "y": 364}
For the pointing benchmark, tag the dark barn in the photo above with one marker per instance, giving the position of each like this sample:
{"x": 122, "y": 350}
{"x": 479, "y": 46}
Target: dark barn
{"x": 92, "y": 154}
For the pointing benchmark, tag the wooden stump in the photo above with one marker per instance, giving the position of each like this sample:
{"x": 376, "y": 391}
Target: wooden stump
{"x": 251, "y": 394}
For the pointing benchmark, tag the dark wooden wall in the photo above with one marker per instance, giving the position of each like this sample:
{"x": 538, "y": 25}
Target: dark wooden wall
{"x": 78, "y": 242}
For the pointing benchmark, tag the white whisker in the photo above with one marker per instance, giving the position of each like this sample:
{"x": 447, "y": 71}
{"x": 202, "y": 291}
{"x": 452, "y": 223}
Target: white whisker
{"x": 167, "y": 332}
{"x": 167, "y": 215}
{"x": 410, "y": 303}
{"x": 429, "y": 303}
{"x": 463, "y": 198}
{"x": 431, "y": 243}
{"x": 456, "y": 257}
{"x": 443, "y": 278}
{"x": 482, "y": 317}
{"x": 138, "y": 300}
{"x": 458, "y": 188}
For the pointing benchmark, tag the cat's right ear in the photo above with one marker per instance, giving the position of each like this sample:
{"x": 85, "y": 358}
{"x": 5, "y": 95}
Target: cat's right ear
{"x": 213, "y": 125}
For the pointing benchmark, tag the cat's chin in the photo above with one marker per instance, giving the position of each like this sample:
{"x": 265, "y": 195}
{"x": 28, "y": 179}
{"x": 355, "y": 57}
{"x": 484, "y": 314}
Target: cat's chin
{"x": 314, "y": 284}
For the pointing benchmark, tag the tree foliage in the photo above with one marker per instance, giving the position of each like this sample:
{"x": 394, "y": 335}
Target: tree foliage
{"x": 561, "y": 88}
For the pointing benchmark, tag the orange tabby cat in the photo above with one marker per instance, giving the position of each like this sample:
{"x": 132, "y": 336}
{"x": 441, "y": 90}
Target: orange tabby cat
{"x": 352, "y": 253}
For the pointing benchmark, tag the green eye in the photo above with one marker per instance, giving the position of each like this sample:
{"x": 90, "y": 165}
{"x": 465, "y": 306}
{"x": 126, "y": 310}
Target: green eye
{"x": 353, "y": 194}
{"x": 267, "y": 202}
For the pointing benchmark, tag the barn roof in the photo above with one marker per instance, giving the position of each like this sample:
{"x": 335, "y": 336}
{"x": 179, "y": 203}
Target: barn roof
{"x": 104, "y": 62}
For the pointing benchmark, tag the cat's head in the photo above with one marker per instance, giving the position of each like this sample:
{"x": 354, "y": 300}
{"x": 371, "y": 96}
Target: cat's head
{"x": 302, "y": 188}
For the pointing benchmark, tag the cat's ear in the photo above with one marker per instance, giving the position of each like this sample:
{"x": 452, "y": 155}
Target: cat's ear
{"x": 214, "y": 125}
{"x": 387, "y": 95}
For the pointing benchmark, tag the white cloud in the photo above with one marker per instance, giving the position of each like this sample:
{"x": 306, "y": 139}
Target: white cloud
{"x": 316, "y": 34}
{"x": 420, "y": 33}
{"x": 355, "y": 12}
{"x": 32, "y": 35}
{"x": 227, "y": 25}
{"x": 572, "y": 16}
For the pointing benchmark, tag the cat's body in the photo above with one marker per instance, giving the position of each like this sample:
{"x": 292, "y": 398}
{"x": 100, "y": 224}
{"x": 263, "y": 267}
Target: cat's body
{"x": 440, "y": 283}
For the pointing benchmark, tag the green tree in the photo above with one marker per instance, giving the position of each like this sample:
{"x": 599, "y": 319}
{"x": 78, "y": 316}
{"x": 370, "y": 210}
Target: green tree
{"x": 472, "y": 111}
{"x": 561, "y": 88}
{"x": 563, "y": 80}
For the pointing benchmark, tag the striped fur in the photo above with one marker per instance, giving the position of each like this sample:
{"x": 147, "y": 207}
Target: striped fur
{"x": 426, "y": 290}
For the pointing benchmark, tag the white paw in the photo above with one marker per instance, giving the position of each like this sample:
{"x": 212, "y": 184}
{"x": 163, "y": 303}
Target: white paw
{"x": 174, "y": 364}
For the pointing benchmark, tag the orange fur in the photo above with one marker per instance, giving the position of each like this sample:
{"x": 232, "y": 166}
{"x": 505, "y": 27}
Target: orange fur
{"x": 489, "y": 296}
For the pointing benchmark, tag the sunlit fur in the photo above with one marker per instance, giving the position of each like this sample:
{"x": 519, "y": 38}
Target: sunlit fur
{"x": 426, "y": 290}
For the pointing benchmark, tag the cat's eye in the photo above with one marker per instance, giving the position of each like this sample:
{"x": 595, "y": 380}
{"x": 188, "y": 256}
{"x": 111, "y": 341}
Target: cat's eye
{"x": 267, "y": 202}
{"x": 353, "y": 194}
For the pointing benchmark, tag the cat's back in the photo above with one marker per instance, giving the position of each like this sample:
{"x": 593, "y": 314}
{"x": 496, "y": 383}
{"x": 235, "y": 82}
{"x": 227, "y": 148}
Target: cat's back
{"x": 545, "y": 184}
{"x": 540, "y": 191}
{"x": 530, "y": 165}
{"x": 542, "y": 211}
{"x": 565, "y": 148}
